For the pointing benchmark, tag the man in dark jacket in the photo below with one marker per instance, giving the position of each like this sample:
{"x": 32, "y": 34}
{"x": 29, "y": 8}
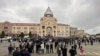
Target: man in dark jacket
{"x": 47, "y": 48}
{"x": 21, "y": 51}
{"x": 64, "y": 51}
{"x": 75, "y": 47}
{"x": 26, "y": 53}
{"x": 72, "y": 51}
{"x": 16, "y": 52}
{"x": 51, "y": 47}
{"x": 79, "y": 43}
{"x": 10, "y": 49}
{"x": 59, "y": 51}
{"x": 32, "y": 47}
{"x": 20, "y": 46}
{"x": 56, "y": 43}
{"x": 29, "y": 49}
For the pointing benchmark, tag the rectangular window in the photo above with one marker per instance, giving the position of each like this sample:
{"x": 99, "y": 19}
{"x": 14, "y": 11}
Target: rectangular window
{"x": 54, "y": 26}
{"x": 43, "y": 31}
{"x": 62, "y": 34}
{"x": 13, "y": 31}
{"x": 59, "y": 34}
{"x": 25, "y": 27}
{"x": 31, "y": 28}
{"x": 43, "y": 27}
{"x": 18, "y": 32}
{"x": 25, "y": 31}
{"x": 18, "y": 27}
{"x": 5, "y": 27}
{"x": 13, "y": 27}
{"x": 32, "y": 32}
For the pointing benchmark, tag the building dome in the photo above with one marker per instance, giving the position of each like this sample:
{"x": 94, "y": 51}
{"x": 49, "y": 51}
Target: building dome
{"x": 48, "y": 12}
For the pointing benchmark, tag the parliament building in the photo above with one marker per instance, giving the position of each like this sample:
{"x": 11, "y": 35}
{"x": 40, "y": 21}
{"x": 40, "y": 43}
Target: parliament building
{"x": 48, "y": 26}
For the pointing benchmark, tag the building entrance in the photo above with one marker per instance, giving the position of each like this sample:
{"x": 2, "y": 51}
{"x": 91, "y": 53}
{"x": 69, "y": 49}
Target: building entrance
{"x": 49, "y": 31}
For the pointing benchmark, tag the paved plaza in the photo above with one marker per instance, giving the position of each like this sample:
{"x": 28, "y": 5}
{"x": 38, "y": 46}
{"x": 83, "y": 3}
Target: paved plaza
{"x": 89, "y": 50}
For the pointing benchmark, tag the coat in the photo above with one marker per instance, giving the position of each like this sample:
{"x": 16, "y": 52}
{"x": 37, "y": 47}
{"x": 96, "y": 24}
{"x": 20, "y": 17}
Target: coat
{"x": 25, "y": 53}
{"x": 16, "y": 53}
{"x": 64, "y": 51}
{"x": 72, "y": 52}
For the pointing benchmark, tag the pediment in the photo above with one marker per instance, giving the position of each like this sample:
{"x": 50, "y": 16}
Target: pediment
{"x": 48, "y": 22}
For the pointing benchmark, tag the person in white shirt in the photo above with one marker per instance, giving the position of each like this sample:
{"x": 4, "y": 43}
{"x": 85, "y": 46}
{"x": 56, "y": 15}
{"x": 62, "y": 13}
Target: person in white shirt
{"x": 42, "y": 48}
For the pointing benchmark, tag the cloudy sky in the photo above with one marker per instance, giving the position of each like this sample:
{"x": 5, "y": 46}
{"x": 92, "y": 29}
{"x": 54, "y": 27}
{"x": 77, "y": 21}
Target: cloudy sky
{"x": 84, "y": 14}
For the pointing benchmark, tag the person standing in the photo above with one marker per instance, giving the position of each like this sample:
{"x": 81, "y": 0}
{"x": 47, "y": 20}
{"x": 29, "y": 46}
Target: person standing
{"x": 42, "y": 48}
{"x": 32, "y": 47}
{"x": 56, "y": 43}
{"x": 29, "y": 49}
{"x": 72, "y": 51}
{"x": 75, "y": 47}
{"x": 21, "y": 51}
{"x": 47, "y": 47}
{"x": 16, "y": 52}
{"x": 51, "y": 47}
{"x": 10, "y": 49}
{"x": 37, "y": 47}
{"x": 91, "y": 41}
{"x": 59, "y": 51}
{"x": 26, "y": 53}
{"x": 87, "y": 40}
{"x": 64, "y": 51}
{"x": 20, "y": 46}
{"x": 79, "y": 43}
{"x": 82, "y": 51}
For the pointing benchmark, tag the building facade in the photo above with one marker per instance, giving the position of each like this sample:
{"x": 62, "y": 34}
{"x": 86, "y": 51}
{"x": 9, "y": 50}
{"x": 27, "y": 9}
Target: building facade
{"x": 48, "y": 26}
{"x": 80, "y": 33}
{"x": 73, "y": 31}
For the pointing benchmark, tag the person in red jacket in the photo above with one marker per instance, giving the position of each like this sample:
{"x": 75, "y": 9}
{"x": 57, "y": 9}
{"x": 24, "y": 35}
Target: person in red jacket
{"x": 82, "y": 51}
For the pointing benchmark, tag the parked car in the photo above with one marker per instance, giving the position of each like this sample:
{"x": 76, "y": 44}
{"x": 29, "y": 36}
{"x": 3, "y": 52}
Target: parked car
{"x": 4, "y": 39}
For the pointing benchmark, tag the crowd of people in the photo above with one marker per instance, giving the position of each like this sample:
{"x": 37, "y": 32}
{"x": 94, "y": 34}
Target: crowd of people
{"x": 41, "y": 46}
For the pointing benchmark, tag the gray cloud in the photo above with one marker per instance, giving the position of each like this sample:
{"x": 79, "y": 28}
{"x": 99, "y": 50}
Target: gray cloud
{"x": 79, "y": 13}
{"x": 33, "y": 14}
{"x": 90, "y": 17}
